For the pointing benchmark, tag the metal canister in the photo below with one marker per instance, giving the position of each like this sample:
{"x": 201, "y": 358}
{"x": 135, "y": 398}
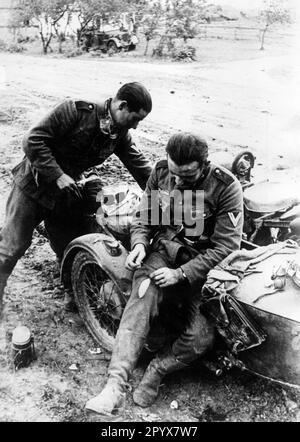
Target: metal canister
{"x": 22, "y": 347}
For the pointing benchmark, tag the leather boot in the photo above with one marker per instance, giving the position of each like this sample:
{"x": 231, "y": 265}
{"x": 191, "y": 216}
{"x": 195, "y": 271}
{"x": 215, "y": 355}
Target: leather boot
{"x": 126, "y": 351}
{"x": 111, "y": 398}
{"x": 147, "y": 391}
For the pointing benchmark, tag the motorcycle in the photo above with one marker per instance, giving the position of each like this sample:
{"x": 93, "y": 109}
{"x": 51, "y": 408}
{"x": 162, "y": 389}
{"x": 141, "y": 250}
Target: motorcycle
{"x": 259, "y": 335}
{"x": 271, "y": 206}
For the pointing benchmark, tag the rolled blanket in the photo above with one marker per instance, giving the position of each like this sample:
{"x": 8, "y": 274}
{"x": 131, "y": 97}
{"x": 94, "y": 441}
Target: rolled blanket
{"x": 227, "y": 275}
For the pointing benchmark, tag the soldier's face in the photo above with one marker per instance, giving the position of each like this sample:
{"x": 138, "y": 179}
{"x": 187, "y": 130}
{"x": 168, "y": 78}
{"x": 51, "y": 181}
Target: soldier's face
{"x": 126, "y": 119}
{"x": 186, "y": 175}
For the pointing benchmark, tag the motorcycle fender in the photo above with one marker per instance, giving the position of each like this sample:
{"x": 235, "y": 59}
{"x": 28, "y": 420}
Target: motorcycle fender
{"x": 108, "y": 253}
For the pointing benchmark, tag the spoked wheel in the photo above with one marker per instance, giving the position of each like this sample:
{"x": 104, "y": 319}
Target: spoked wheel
{"x": 99, "y": 301}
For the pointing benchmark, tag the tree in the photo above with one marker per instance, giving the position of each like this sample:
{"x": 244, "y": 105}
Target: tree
{"x": 181, "y": 22}
{"x": 60, "y": 28}
{"x": 150, "y": 22}
{"x": 275, "y": 11}
{"x": 183, "y": 19}
{"x": 46, "y": 13}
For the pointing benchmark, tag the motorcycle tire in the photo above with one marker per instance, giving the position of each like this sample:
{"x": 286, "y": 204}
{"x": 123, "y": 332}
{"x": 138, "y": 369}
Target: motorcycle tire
{"x": 100, "y": 311}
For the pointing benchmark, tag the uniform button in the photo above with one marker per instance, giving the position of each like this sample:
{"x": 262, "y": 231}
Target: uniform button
{"x": 217, "y": 171}
{"x": 91, "y": 106}
{"x": 204, "y": 215}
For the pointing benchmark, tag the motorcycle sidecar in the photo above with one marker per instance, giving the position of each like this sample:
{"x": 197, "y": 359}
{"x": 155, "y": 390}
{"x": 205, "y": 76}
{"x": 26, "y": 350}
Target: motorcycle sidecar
{"x": 278, "y": 314}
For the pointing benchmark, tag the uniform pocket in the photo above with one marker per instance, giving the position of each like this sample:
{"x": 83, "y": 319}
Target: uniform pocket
{"x": 209, "y": 224}
{"x": 199, "y": 224}
{"x": 24, "y": 180}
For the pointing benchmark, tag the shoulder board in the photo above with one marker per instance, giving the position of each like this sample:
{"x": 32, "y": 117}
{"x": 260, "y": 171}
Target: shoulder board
{"x": 84, "y": 105}
{"x": 223, "y": 175}
{"x": 162, "y": 164}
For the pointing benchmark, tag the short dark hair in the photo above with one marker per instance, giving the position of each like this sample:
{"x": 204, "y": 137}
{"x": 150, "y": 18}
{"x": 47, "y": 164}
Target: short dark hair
{"x": 184, "y": 148}
{"x": 136, "y": 95}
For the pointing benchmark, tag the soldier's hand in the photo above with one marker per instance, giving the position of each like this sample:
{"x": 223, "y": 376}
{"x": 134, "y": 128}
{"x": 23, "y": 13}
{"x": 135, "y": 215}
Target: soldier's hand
{"x": 164, "y": 277}
{"x": 65, "y": 182}
{"x": 135, "y": 257}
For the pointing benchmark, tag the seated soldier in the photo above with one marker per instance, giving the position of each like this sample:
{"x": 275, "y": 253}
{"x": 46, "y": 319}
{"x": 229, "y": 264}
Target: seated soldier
{"x": 170, "y": 270}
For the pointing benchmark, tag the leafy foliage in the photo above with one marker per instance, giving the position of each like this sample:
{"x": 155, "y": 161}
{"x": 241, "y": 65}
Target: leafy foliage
{"x": 45, "y": 13}
{"x": 53, "y": 16}
{"x": 150, "y": 22}
{"x": 172, "y": 20}
{"x": 181, "y": 23}
{"x": 183, "y": 17}
{"x": 275, "y": 11}
{"x": 184, "y": 53}
{"x": 87, "y": 10}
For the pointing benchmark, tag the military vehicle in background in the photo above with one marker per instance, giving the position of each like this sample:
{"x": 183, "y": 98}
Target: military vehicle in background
{"x": 112, "y": 36}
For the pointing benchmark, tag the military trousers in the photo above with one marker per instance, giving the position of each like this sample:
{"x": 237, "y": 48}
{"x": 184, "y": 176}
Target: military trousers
{"x": 175, "y": 311}
{"x": 23, "y": 214}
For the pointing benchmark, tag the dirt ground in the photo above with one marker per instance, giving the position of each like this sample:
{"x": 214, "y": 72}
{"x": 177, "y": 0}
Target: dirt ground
{"x": 237, "y": 102}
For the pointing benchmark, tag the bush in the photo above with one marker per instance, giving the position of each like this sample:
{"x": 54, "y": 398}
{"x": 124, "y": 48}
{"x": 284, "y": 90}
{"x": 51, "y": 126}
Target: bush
{"x": 176, "y": 50}
{"x": 15, "y": 47}
{"x": 185, "y": 53}
{"x": 165, "y": 47}
{"x": 97, "y": 53}
{"x": 74, "y": 53}
{"x": 22, "y": 39}
{"x": 3, "y": 45}
{"x": 11, "y": 47}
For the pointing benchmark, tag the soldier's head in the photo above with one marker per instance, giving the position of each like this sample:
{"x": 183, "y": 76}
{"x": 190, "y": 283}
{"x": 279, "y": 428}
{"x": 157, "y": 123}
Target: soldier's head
{"x": 131, "y": 105}
{"x": 187, "y": 158}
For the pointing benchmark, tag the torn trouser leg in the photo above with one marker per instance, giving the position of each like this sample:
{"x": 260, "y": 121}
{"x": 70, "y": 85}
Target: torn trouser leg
{"x": 131, "y": 336}
{"x": 195, "y": 336}
{"x": 136, "y": 320}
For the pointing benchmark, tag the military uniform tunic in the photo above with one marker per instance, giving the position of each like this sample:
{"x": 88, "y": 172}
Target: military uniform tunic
{"x": 67, "y": 140}
{"x": 222, "y": 214}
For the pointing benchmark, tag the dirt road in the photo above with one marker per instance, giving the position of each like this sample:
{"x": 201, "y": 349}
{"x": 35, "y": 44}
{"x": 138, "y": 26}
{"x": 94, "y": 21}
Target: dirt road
{"x": 235, "y": 105}
{"x": 238, "y": 103}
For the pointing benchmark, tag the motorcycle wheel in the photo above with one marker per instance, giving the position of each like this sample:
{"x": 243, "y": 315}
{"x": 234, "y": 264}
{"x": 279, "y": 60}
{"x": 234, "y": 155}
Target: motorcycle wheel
{"x": 100, "y": 308}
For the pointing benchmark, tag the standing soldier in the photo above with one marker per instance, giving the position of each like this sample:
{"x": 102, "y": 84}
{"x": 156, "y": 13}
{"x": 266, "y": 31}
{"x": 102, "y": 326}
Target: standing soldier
{"x": 72, "y": 138}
